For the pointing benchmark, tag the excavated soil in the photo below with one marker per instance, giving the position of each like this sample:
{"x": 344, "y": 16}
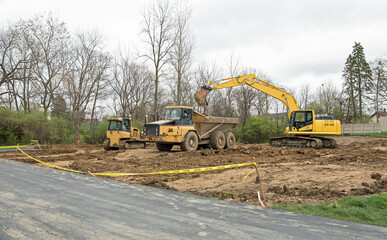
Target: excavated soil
{"x": 358, "y": 166}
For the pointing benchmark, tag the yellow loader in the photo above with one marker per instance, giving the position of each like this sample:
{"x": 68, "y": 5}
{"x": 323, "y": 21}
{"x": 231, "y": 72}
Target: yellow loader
{"x": 122, "y": 135}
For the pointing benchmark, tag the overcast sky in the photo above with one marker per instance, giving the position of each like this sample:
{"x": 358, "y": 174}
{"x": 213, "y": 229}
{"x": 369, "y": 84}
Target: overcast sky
{"x": 294, "y": 42}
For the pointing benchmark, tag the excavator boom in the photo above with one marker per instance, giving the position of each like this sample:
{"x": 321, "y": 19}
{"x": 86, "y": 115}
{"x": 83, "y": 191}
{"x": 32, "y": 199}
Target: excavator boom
{"x": 252, "y": 81}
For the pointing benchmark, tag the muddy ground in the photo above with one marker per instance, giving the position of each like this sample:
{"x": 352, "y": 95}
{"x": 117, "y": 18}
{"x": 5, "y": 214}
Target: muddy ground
{"x": 288, "y": 175}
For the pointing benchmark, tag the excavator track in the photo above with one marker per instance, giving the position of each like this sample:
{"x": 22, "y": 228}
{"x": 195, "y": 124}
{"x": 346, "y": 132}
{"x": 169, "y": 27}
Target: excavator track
{"x": 328, "y": 142}
{"x": 293, "y": 141}
{"x": 309, "y": 142}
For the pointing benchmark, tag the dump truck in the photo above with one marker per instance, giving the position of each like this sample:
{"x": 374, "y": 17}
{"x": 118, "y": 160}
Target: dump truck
{"x": 190, "y": 130}
{"x": 304, "y": 130}
{"x": 122, "y": 135}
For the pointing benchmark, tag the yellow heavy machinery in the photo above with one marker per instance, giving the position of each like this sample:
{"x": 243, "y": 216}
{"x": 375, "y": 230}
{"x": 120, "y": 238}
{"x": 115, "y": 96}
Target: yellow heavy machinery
{"x": 191, "y": 130}
{"x": 304, "y": 129}
{"x": 122, "y": 135}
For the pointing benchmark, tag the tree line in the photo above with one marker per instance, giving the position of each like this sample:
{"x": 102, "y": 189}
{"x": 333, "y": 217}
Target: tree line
{"x": 46, "y": 68}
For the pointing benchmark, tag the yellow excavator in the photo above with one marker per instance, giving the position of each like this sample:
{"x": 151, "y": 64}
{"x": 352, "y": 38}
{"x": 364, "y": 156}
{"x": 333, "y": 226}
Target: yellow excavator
{"x": 304, "y": 129}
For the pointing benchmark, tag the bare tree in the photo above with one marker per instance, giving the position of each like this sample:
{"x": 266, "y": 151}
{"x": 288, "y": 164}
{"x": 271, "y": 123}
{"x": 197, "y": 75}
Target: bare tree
{"x": 181, "y": 54}
{"x": 247, "y": 99}
{"x": 263, "y": 101}
{"x": 47, "y": 39}
{"x": 379, "y": 90}
{"x": 89, "y": 69}
{"x": 159, "y": 36}
{"x": 204, "y": 73}
{"x": 304, "y": 96}
{"x": 233, "y": 69}
{"x": 132, "y": 85}
{"x": 10, "y": 62}
{"x": 327, "y": 95}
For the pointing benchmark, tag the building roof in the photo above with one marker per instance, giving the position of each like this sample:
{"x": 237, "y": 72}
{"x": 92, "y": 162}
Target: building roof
{"x": 381, "y": 114}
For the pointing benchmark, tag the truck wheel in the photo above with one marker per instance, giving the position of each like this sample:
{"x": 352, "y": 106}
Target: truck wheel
{"x": 164, "y": 147}
{"x": 106, "y": 144}
{"x": 218, "y": 140}
{"x": 190, "y": 143}
{"x": 230, "y": 140}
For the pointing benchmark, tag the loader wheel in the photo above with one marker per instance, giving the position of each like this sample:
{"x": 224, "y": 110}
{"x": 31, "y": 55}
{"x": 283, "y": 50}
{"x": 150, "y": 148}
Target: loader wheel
{"x": 164, "y": 147}
{"x": 190, "y": 143}
{"x": 218, "y": 140}
{"x": 230, "y": 140}
{"x": 106, "y": 144}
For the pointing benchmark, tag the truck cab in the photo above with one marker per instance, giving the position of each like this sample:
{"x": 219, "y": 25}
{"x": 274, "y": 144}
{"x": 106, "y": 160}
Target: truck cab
{"x": 176, "y": 119}
{"x": 182, "y": 116}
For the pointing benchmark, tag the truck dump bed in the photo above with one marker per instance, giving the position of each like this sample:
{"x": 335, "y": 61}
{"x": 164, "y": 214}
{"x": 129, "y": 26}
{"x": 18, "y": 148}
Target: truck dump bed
{"x": 206, "y": 124}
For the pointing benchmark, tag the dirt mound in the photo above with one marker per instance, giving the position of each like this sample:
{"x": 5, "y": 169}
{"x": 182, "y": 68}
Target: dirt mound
{"x": 289, "y": 175}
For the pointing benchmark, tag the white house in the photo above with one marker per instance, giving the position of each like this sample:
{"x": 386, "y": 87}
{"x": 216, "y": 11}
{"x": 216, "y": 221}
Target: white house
{"x": 375, "y": 118}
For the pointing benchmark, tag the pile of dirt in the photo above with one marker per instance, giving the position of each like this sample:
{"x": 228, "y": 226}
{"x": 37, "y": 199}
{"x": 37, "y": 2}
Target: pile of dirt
{"x": 288, "y": 175}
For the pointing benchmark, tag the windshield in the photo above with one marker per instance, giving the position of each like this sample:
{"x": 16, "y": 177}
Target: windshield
{"x": 115, "y": 125}
{"x": 173, "y": 114}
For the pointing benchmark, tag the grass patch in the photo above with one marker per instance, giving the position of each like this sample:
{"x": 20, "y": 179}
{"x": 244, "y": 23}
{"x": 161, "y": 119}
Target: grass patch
{"x": 225, "y": 193}
{"x": 371, "y": 209}
{"x": 376, "y": 134}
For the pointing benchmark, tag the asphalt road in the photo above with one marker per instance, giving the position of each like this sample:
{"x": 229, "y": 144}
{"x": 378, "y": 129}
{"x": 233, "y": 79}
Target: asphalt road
{"x": 42, "y": 203}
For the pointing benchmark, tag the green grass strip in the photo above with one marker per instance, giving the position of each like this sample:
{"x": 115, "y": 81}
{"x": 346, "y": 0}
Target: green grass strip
{"x": 376, "y": 134}
{"x": 371, "y": 209}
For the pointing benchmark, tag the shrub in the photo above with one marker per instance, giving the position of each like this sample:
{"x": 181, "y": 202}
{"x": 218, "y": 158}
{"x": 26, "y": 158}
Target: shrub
{"x": 86, "y": 133}
{"x": 61, "y": 130}
{"x": 259, "y": 130}
{"x": 19, "y": 127}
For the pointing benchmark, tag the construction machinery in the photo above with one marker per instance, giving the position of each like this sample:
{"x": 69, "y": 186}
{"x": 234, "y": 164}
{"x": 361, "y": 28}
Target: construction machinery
{"x": 122, "y": 135}
{"x": 191, "y": 130}
{"x": 304, "y": 130}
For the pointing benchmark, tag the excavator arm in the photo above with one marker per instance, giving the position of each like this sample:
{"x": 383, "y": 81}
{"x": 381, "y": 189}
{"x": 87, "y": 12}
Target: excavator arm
{"x": 252, "y": 81}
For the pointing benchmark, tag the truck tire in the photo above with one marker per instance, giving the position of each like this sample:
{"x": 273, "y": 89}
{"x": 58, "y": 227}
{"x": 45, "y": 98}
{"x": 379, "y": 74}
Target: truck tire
{"x": 106, "y": 144}
{"x": 230, "y": 140}
{"x": 218, "y": 140}
{"x": 164, "y": 147}
{"x": 190, "y": 143}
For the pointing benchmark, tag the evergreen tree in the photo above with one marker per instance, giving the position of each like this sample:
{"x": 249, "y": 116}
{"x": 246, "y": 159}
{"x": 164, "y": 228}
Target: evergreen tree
{"x": 59, "y": 107}
{"x": 349, "y": 90}
{"x": 357, "y": 76}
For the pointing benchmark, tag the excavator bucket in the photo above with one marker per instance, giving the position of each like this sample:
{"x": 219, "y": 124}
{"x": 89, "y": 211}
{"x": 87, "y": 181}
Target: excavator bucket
{"x": 200, "y": 96}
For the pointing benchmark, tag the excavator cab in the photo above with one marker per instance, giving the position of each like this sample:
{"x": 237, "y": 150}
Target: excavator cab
{"x": 301, "y": 120}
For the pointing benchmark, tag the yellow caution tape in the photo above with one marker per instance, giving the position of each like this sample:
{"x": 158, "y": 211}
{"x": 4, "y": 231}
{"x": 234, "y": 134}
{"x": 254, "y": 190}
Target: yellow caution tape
{"x": 251, "y": 171}
{"x": 32, "y": 142}
{"x": 149, "y": 173}
{"x": 48, "y": 164}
